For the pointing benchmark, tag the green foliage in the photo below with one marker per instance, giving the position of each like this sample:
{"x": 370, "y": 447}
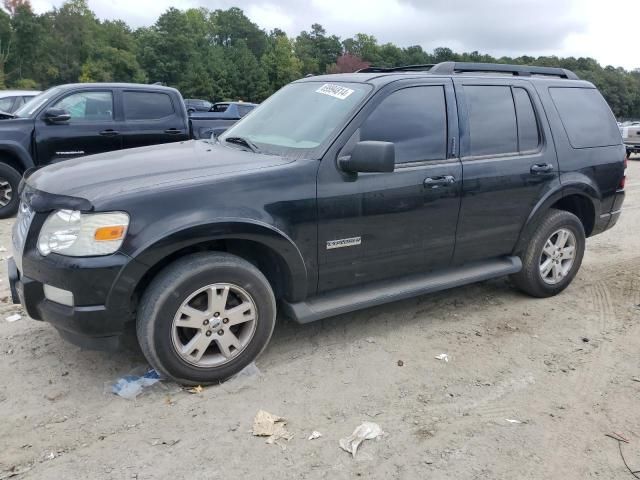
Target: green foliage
{"x": 223, "y": 55}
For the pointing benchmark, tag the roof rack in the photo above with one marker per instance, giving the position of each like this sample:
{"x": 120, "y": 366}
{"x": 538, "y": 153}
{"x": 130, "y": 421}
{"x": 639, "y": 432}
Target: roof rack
{"x": 450, "y": 68}
{"x": 406, "y": 68}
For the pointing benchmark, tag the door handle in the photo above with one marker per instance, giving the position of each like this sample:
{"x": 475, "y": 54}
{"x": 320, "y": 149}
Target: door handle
{"x": 173, "y": 131}
{"x": 435, "y": 182}
{"x": 109, "y": 133}
{"x": 541, "y": 168}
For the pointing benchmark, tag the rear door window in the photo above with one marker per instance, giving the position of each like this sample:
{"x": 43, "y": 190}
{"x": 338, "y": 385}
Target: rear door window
{"x": 586, "y": 117}
{"x": 492, "y": 120}
{"x": 147, "y": 105}
{"x": 415, "y": 120}
{"x": 528, "y": 132}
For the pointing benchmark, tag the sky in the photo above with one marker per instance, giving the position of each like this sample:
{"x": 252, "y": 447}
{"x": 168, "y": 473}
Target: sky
{"x": 605, "y": 30}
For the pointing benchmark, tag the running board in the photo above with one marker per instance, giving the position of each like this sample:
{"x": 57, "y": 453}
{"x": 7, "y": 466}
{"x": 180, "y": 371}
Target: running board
{"x": 377, "y": 293}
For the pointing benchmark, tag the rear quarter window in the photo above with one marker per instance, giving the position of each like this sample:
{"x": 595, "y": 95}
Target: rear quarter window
{"x": 586, "y": 117}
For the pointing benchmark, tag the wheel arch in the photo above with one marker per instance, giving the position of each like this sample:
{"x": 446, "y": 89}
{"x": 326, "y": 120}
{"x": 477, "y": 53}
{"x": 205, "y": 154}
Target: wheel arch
{"x": 581, "y": 200}
{"x": 13, "y": 154}
{"x": 269, "y": 249}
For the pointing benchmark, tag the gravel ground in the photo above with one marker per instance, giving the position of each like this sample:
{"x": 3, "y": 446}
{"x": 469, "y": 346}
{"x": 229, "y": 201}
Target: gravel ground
{"x": 563, "y": 367}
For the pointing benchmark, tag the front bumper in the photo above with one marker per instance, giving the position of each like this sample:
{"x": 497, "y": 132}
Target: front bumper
{"x": 102, "y": 307}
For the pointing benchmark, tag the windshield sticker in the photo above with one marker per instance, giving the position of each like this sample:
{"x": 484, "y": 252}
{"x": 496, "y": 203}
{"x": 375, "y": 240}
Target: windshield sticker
{"x": 335, "y": 91}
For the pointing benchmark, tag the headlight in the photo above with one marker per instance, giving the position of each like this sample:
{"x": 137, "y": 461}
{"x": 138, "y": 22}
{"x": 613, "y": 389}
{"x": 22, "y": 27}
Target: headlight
{"x": 77, "y": 234}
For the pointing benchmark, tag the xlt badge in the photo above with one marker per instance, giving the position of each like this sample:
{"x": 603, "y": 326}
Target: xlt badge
{"x": 344, "y": 242}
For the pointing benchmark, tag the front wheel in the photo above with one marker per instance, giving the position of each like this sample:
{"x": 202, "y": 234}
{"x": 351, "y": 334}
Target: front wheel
{"x": 206, "y": 317}
{"x": 552, "y": 256}
{"x": 9, "y": 182}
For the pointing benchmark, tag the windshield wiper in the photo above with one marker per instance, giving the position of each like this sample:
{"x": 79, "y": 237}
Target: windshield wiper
{"x": 244, "y": 142}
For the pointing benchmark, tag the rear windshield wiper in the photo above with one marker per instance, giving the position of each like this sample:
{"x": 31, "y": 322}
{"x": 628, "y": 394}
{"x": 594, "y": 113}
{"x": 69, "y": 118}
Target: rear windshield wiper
{"x": 244, "y": 142}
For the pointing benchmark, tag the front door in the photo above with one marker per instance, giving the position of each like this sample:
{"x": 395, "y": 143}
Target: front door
{"x": 509, "y": 164}
{"x": 92, "y": 128}
{"x": 383, "y": 225}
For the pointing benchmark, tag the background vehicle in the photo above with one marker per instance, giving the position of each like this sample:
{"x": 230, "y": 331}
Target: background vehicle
{"x": 340, "y": 192}
{"x": 220, "y": 117}
{"x": 196, "y": 105}
{"x": 11, "y": 100}
{"x": 631, "y": 137}
{"x": 77, "y": 120}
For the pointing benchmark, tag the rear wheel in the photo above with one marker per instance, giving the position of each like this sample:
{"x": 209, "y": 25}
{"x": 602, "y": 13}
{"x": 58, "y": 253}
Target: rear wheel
{"x": 205, "y": 318}
{"x": 553, "y": 255}
{"x": 9, "y": 182}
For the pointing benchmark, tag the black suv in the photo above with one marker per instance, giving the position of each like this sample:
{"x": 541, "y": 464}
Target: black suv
{"x": 338, "y": 193}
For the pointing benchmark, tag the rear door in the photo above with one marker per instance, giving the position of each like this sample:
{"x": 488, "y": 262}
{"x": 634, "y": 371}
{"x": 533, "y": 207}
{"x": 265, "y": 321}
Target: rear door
{"x": 373, "y": 226}
{"x": 93, "y": 127}
{"x": 509, "y": 163}
{"x": 151, "y": 118}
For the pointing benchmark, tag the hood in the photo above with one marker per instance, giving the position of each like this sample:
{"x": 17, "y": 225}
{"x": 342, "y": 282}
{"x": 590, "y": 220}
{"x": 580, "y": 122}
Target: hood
{"x": 113, "y": 173}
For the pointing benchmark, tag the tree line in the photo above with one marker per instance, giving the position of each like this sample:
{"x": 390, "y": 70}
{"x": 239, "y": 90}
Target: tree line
{"x": 222, "y": 54}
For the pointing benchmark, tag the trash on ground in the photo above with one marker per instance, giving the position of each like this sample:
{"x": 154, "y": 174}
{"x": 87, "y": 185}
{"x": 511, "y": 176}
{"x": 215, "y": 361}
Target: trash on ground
{"x": 195, "y": 390}
{"x": 3, "y": 249}
{"x": 168, "y": 443}
{"x": 14, "y": 318}
{"x": 635, "y": 379}
{"x": 266, "y": 424}
{"x": 443, "y": 356}
{"x": 511, "y": 420}
{"x": 315, "y": 434}
{"x": 130, "y": 386}
{"x": 366, "y": 431}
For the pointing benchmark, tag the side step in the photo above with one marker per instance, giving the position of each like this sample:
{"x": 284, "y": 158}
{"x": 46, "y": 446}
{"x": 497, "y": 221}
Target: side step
{"x": 377, "y": 293}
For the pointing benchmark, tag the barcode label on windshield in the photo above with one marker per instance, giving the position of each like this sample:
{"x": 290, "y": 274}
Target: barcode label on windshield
{"x": 335, "y": 91}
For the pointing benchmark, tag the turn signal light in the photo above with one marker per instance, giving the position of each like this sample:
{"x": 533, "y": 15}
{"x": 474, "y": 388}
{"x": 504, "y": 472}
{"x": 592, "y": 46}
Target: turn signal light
{"x": 110, "y": 233}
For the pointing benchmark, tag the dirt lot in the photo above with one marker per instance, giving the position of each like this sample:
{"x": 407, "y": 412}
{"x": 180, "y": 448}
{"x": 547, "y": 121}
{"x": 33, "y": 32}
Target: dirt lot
{"x": 563, "y": 367}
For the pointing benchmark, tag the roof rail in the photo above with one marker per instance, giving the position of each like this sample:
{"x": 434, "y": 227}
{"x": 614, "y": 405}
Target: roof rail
{"x": 450, "y": 68}
{"x": 405, "y": 68}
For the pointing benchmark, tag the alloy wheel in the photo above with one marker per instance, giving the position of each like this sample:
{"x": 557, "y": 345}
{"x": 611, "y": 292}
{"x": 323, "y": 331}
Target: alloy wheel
{"x": 558, "y": 256}
{"x": 214, "y": 324}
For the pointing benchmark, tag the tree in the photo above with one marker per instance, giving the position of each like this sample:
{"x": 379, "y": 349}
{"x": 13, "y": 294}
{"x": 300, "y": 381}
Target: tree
{"x": 348, "y": 63}
{"x": 280, "y": 63}
{"x": 316, "y": 50}
{"x": 13, "y": 5}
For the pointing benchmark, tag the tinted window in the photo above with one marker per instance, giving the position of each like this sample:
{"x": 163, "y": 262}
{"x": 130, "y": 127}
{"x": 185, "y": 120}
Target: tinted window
{"x": 492, "y": 120}
{"x": 6, "y": 104}
{"x": 220, "y": 107}
{"x": 244, "y": 109}
{"x": 147, "y": 105}
{"x": 528, "y": 134}
{"x": 415, "y": 120}
{"x": 586, "y": 117}
{"x": 88, "y": 106}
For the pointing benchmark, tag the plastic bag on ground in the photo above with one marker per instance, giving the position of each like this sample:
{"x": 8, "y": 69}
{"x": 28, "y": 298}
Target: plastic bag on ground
{"x": 366, "y": 431}
{"x": 130, "y": 386}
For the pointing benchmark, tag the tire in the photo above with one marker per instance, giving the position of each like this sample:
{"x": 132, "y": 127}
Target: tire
{"x": 534, "y": 258}
{"x": 162, "y": 329}
{"x": 9, "y": 181}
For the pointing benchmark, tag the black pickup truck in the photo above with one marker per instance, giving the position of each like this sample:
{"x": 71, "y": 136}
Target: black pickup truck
{"x": 340, "y": 192}
{"x": 77, "y": 120}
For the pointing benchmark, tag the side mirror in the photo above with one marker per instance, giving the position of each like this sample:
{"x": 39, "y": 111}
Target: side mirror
{"x": 56, "y": 115}
{"x": 370, "y": 156}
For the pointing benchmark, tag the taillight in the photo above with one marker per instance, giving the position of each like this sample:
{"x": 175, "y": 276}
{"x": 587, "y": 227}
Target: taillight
{"x": 623, "y": 181}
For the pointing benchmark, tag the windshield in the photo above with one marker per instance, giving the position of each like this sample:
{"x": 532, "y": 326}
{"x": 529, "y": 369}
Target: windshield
{"x": 299, "y": 118}
{"x": 30, "y": 108}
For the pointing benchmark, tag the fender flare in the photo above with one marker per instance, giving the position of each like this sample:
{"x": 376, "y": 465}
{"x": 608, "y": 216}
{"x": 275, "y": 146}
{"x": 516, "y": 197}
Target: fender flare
{"x": 155, "y": 251}
{"x": 582, "y": 189}
{"x": 18, "y": 151}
